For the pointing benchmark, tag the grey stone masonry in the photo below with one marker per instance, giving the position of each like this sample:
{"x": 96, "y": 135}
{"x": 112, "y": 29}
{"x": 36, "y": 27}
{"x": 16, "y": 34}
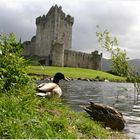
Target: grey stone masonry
{"x": 52, "y": 43}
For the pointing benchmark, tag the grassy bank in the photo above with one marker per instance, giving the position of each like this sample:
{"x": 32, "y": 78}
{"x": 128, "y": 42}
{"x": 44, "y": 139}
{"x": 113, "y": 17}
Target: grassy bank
{"x": 74, "y": 72}
{"x": 24, "y": 115}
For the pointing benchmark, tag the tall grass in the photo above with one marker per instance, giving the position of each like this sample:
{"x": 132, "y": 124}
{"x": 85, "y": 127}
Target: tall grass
{"x": 26, "y": 116}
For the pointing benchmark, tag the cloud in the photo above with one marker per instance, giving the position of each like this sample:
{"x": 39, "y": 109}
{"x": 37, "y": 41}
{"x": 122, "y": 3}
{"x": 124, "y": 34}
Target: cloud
{"x": 120, "y": 17}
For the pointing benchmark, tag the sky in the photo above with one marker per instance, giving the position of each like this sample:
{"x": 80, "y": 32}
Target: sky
{"x": 120, "y": 17}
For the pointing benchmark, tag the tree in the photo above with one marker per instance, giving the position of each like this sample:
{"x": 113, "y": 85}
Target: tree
{"x": 119, "y": 57}
{"x": 13, "y": 67}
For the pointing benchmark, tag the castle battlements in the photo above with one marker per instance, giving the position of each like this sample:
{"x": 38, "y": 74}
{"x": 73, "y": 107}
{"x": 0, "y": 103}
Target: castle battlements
{"x": 55, "y": 11}
{"x": 52, "y": 43}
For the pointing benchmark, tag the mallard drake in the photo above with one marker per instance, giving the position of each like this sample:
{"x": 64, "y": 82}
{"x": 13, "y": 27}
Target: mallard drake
{"x": 51, "y": 89}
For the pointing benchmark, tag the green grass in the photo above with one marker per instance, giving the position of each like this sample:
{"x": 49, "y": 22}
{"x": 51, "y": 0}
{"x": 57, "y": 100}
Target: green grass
{"x": 74, "y": 72}
{"x": 26, "y": 116}
{"x": 23, "y": 115}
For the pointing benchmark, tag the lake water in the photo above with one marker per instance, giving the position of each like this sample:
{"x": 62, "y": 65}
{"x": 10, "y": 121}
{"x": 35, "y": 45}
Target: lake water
{"x": 118, "y": 95}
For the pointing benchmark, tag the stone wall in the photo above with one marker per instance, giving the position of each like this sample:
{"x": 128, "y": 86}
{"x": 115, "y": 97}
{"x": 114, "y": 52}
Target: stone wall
{"x": 27, "y": 49}
{"x": 82, "y": 60}
{"x": 70, "y": 58}
{"x": 96, "y": 60}
{"x": 52, "y": 43}
{"x": 57, "y": 55}
{"x": 76, "y": 59}
{"x": 53, "y": 27}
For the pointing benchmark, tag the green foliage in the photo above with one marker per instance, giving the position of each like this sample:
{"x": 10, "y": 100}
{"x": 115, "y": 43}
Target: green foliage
{"x": 12, "y": 65}
{"x": 119, "y": 57}
{"x": 23, "y": 115}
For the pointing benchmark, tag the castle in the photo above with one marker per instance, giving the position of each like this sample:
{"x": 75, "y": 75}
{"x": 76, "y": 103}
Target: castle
{"x": 52, "y": 44}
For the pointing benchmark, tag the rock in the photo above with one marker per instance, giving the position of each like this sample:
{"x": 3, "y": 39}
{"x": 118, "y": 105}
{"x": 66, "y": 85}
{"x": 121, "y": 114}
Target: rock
{"x": 107, "y": 115}
{"x": 79, "y": 78}
{"x": 106, "y": 80}
{"x": 85, "y": 79}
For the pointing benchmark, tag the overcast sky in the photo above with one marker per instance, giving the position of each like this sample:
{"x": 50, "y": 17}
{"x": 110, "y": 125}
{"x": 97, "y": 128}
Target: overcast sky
{"x": 120, "y": 17}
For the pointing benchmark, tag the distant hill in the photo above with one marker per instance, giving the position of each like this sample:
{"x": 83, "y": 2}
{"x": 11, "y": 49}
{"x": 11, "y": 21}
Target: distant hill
{"x": 136, "y": 64}
{"x": 106, "y": 64}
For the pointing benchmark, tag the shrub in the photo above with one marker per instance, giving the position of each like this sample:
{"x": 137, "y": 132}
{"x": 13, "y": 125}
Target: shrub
{"x": 12, "y": 65}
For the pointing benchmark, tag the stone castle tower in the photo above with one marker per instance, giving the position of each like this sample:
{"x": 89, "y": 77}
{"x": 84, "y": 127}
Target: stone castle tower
{"x": 52, "y": 43}
{"x": 54, "y": 27}
{"x": 51, "y": 28}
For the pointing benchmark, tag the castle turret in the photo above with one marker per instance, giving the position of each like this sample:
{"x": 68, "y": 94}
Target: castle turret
{"x": 96, "y": 59}
{"x": 53, "y": 27}
{"x": 57, "y": 55}
{"x": 52, "y": 43}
